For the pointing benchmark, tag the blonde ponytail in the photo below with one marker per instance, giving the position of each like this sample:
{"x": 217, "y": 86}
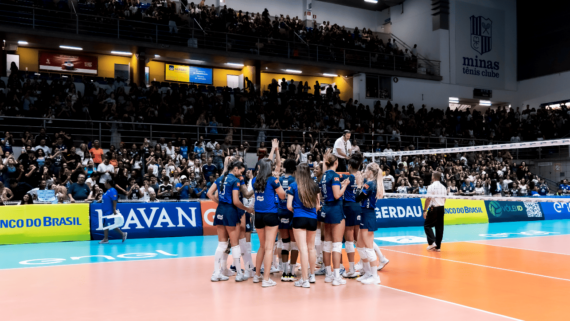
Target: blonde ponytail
{"x": 379, "y": 177}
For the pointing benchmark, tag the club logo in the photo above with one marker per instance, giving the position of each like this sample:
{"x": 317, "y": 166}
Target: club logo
{"x": 481, "y": 34}
{"x": 495, "y": 209}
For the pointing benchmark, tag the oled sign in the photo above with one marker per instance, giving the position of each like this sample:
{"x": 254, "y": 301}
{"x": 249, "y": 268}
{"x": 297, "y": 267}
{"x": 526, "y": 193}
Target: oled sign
{"x": 479, "y": 46}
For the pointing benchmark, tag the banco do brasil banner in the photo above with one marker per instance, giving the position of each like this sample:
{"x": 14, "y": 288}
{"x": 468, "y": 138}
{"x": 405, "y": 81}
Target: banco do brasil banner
{"x": 44, "y": 223}
{"x": 513, "y": 211}
{"x": 145, "y": 220}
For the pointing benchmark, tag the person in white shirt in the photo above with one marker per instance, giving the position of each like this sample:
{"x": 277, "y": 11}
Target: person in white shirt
{"x": 434, "y": 212}
{"x": 342, "y": 149}
{"x": 389, "y": 181}
{"x": 389, "y": 150}
{"x": 43, "y": 146}
{"x": 106, "y": 170}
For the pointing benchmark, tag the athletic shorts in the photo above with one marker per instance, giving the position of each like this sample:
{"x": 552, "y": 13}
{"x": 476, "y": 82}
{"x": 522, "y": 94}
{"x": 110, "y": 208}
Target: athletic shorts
{"x": 351, "y": 211}
{"x": 266, "y": 219}
{"x": 285, "y": 219}
{"x": 320, "y": 216}
{"x": 367, "y": 220}
{"x": 226, "y": 215}
{"x": 333, "y": 213}
{"x": 305, "y": 223}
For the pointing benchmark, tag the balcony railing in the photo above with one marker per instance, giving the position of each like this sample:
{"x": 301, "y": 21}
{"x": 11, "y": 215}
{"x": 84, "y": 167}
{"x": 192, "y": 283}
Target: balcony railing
{"x": 161, "y": 34}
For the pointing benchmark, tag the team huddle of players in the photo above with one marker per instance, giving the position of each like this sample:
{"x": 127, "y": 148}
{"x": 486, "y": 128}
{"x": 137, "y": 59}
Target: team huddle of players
{"x": 298, "y": 215}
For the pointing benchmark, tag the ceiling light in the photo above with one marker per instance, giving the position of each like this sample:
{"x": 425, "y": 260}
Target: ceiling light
{"x": 454, "y": 100}
{"x": 71, "y": 48}
{"x": 195, "y": 61}
{"x": 330, "y": 75}
{"x": 126, "y": 53}
{"x": 485, "y": 102}
{"x": 371, "y": 1}
{"x": 22, "y": 42}
{"x": 234, "y": 64}
{"x": 293, "y": 71}
{"x": 156, "y": 56}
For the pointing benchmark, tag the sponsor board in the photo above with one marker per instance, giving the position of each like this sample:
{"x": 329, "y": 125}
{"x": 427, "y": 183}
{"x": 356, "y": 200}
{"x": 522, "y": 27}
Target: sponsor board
{"x": 399, "y": 212}
{"x": 146, "y": 220}
{"x": 184, "y": 73}
{"x": 68, "y": 63}
{"x": 208, "y": 213}
{"x": 44, "y": 223}
{"x": 501, "y": 211}
{"x": 555, "y": 210}
{"x": 461, "y": 211}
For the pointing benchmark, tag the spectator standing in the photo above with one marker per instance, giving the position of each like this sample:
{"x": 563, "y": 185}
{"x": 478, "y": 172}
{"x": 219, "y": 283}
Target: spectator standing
{"x": 106, "y": 170}
{"x": 79, "y": 191}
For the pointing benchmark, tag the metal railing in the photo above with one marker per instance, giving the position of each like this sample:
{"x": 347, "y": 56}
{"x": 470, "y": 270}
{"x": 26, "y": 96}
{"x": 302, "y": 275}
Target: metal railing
{"x": 149, "y": 32}
{"x": 134, "y": 132}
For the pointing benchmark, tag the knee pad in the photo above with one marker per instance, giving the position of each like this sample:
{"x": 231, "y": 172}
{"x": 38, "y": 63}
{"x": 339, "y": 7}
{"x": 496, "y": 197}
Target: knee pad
{"x": 285, "y": 248}
{"x": 362, "y": 253}
{"x": 279, "y": 244}
{"x": 294, "y": 246}
{"x": 222, "y": 246}
{"x": 349, "y": 246}
{"x": 236, "y": 252}
{"x": 327, "y": 246}
{"x": 337, "y": 247}
{"x": 371, "y": 254}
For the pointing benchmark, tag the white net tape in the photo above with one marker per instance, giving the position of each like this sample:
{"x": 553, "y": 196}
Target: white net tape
{"x": 481, "y": 198}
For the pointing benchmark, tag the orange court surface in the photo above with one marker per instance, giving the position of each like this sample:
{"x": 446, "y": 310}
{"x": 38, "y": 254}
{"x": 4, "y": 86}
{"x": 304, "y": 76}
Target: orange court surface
{"x": 479, "y": 275}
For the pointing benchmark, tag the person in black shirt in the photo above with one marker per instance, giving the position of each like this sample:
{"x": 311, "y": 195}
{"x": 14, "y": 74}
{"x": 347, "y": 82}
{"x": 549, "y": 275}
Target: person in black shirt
{"x": 19, "y": 189}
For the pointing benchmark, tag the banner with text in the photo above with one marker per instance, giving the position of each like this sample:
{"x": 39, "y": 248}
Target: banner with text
{"x": 44, "y": 223}
{"x": 461, "y": 211}
{"x": 479, "y": 46}
{"x": 513, "y": 211}
{"x": 145, "y": 220}
{"x": 399, "y": 212}
{"x": 68, "y": 63}
{"x": 555, "y": 210}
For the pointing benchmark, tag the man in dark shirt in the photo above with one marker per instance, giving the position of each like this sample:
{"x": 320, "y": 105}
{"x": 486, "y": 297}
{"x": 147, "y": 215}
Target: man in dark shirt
{"x": 78, "y": 191}
{"x": 208, "y": 169}
{"x": 19, "y": 189}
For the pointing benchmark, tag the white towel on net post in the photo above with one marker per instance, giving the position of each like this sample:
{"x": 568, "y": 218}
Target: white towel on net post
{"x": 119, "y": 221}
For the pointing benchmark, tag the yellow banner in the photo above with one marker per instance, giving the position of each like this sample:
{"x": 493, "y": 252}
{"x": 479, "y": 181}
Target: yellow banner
{"x": 177, "y": 73}
{"x": 459, "y": 211}
{"x": 44, "y": 223}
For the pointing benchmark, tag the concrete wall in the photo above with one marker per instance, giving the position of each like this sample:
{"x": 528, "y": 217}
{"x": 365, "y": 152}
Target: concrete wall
{"x": 544, "y": 89}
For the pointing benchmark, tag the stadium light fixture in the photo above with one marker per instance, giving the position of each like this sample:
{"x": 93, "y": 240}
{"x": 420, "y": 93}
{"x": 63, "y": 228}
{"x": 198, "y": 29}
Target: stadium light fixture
{"x": 330, "y": 75}
{"x": 124, "y": 53}
{"x": 193, "y": 61}
{"x": 156, "y": 56}
{"x": 454, "y": 100}
{"x": 371, "y": 1}
{"x": 70, "y": 47}
{"x": 233, "y": 64}
{"x": 485, "y": 102}
{"x": 22, "y": 43}
{"x": 293, "y": 71}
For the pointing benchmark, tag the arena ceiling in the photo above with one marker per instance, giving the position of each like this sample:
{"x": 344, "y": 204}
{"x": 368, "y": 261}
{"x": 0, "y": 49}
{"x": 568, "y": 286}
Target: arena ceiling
{"x": 379, "y": 6}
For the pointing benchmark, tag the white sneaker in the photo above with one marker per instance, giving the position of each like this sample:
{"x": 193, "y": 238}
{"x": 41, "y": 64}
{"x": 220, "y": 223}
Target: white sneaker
{"x": 364, "y": 277}
{"x": 228, "y": 272}
{"x": 358, "y": 266}
{"x": 240, "y": 277}
{"x": 312, "y": 278}
{"x": 350, "y": 275}
{"x": 431, "y": 247}
{"x": 321, "y": 271}
{"x": 382, "y": 264}
{"x": 257, "y": 279}
{"x": 339, "y": 281}
{"x": 329, "y": 278}
{"x": 274, "y": 270}
{"x": 299, "y": 283}
{"x": 249, "y": 273}
{"x": 218, "y": 277}
{"x": 373, "y": 279}
{"x": 268, "y": 283}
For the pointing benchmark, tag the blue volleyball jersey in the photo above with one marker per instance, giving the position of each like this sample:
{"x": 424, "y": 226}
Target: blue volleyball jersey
{"x": 369, "y": 189}
{"x": 226, "y": 186}
{"x": 285, "y": 182}
{"x": 349, "y": 193}
{"x": 265, "y": 202}
{"x": 299, "y": 210}
{"x": 330, "y": 179}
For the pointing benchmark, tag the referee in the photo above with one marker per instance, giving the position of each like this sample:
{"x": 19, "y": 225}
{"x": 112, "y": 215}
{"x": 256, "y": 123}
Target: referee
{"x": 434, "y": 211}
{"x": 342, "y": 150}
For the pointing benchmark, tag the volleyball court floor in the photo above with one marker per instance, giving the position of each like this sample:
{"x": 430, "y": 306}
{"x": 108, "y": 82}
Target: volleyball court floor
{"x": 499, "y": 271}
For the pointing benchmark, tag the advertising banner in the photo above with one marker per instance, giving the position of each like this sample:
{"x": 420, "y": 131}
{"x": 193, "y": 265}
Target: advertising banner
{"x": 513, "y": 211}
{"x": 68, "y": 63}
{"x": 146, "y": 220}
{"x": 208, "y": 212}
{"x": 465, "y": 212}
{"x": 183, "y": 73}
{"x": 44, "y": 223}
{"x": 555, "y": 211}
{"x": 399, "y": 212}
{"x": 480, "y": 46}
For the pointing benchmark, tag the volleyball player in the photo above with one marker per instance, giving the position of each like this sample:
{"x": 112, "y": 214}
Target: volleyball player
{"x": 371, "y": 191}
{"x": 266, "y": 220}
{"x": 110, "y": 208}
{"x": 319, "y": 235}
{"x": 351, "y": 210}
{"x": 333, "y": 190}
{"x": 248, "y": 201}
{"x": 285, "y": 221}
{"x": 227, "y": 218}
{"x": 303, "y": 200}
